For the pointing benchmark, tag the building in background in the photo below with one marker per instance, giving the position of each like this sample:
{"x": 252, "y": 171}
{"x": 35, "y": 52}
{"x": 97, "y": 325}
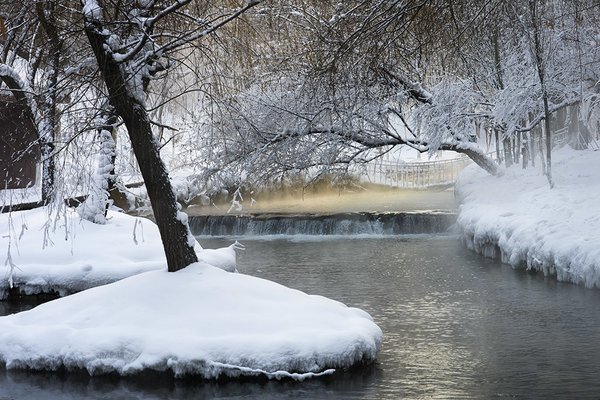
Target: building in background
{"x": 19, "y": 149}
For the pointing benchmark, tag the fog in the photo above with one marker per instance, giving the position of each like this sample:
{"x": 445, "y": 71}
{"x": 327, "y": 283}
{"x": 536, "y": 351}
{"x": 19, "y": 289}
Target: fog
{"x": 331, "y": 201}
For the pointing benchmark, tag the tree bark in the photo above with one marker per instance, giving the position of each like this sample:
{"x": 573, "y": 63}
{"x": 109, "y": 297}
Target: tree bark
{"x": 525, "y": 151}
{"x": 173, "y": 229}
{"x": 45, "y": 14}
{"x": 507, "y": 146}
{"x": 548, "y": 139}
{"x": 480, "y": 159}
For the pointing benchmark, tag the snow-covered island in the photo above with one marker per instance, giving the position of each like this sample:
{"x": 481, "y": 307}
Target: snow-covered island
{"x": 516, "y": 216}
{"x": 204, "y": 320}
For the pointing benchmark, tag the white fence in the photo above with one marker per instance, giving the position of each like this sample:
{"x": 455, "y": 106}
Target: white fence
{"x": 418, "y": 175}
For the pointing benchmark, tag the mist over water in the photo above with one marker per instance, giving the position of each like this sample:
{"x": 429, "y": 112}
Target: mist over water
{"x": 327, "y": 201}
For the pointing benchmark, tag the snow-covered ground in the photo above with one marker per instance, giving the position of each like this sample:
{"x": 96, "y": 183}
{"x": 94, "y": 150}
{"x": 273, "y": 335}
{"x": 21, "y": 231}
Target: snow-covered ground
{"x": 66, "y": 254}
{"x": 200, "y": 320}
{"x": 519, "y": 218}
{"x": 204, "y": 320}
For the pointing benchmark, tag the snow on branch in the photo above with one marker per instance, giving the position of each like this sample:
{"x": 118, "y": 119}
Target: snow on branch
{"x": 536, "y": 121}
{"x": 148, "y": 25}
{"x": 414, "y": 89}
{"x": 92, "y": 10}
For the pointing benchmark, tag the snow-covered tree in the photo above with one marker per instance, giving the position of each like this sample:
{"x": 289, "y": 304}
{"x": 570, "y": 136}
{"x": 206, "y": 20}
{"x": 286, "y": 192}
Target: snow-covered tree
{"x": 339, "y": 94}
{"x": 339, "y": 81}
{"x": 134, "y": 43}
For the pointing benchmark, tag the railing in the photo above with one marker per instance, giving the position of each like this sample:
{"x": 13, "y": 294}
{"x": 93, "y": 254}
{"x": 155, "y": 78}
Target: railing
{"x": 420, "y": 175}
{"x": 417, "y": 175}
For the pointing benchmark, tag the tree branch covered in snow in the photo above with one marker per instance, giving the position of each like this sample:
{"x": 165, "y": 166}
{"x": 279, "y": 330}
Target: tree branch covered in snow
{"x": 302, "y": 126}
{"x": 340, "y": 81}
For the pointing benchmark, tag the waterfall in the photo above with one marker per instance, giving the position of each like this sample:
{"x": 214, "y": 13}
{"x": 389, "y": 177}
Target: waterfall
{"x": 322, "y": 224}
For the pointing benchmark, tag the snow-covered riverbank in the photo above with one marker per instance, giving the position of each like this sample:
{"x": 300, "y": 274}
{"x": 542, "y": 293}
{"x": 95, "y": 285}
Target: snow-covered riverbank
{"x": 519, "y": 218}
{"x": 204, "y": 320}
{"x": 66, "y": 254}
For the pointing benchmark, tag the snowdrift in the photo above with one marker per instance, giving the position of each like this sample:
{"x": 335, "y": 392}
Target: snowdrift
{"x": 518, "y": 218}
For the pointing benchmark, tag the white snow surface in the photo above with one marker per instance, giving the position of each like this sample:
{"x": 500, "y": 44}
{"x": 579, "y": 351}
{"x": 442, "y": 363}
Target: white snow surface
{"x": 198, "y": 321}
{"x": 201, "y": 320}
{"x": 518, "y": 217}
{"x": 67, "y": 254}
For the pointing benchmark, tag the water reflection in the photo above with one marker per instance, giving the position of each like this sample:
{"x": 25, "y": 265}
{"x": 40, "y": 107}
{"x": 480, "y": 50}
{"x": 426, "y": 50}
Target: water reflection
{"x": 352, "y": 384}
{"x": 455, "y": 325}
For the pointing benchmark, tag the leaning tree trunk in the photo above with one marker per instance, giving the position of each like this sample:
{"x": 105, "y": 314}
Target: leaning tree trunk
{"x": 482, "y": 160}
{"x": 174, "y": 231}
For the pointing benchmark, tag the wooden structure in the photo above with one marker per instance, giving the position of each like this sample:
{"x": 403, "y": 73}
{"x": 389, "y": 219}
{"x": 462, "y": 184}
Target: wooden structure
{"x": 19, "y": 149}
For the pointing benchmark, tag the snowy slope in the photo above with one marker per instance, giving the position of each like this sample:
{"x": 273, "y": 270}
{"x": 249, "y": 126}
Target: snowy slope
{"x": 519, "y": 218}
{"x": 200, "y": 320}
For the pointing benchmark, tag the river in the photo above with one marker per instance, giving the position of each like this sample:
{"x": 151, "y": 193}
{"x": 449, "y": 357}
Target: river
{"x": 455, "y": 326}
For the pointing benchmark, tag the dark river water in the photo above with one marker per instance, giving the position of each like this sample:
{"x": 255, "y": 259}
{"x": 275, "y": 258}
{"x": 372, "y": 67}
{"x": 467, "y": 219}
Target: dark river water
{"x": 455, "y": 326}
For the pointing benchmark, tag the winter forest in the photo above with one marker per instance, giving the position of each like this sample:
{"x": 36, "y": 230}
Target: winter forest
{"x": 190, "y": 112}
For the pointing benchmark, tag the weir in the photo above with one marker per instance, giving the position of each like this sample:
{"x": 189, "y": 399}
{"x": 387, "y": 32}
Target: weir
{"x": 355, "y": 223}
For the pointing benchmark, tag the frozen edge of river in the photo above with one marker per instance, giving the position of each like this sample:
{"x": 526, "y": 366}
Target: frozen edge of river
{"x": 517, "y": 218}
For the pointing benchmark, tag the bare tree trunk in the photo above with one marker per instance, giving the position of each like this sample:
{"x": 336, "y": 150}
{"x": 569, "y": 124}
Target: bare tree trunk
{"x": 518, "y": 148}
{"x": 532, "y": 146}
{"x": 539, "y": 61}
{"x": 541, "y": 150}
{"x": 497, "y": 137}
{"x": 174, "y": 230}
{"x": 507, "y": 146}
{"x": 525, "y": 151}
{"x": 548, "y": 140}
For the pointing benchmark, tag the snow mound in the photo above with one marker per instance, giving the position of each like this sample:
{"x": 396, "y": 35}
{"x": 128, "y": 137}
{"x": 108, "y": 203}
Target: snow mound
{"x": 67, "y": 254}
{"x": 224, "y": 258}
{"x": 518, "y": 218}
{"x": 197, "y": 321}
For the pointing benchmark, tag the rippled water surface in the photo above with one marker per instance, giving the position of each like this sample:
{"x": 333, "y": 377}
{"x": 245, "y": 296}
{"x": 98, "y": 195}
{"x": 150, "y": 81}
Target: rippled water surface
{"x": 455, "y": 326}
